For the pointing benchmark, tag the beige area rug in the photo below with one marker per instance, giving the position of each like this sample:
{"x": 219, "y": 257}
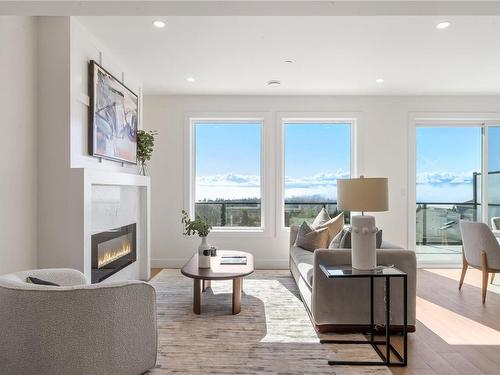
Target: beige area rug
{"x": 271, "y": 335}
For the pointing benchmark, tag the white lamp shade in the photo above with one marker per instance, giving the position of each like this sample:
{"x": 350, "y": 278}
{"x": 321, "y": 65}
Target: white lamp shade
{"x": 363, "y": 194}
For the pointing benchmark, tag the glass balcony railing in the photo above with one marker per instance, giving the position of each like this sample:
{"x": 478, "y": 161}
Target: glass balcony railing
{"x": 248, "y": 214}
{"x": 230, "y": 213}
{"x": 438, "y": 223}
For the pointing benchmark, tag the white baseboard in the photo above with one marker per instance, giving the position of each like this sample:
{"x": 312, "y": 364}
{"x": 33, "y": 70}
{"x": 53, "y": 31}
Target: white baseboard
{"x": 278, "y": 264}
{"x": 263, "y": 264}
{"x": 272, "y": 264}
{"x": 421, "y": 264}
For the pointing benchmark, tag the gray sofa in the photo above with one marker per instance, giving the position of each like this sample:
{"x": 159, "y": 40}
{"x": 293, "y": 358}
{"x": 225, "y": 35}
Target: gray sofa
{"x": 343, "y": 305}
{"x": 77, "y": 328}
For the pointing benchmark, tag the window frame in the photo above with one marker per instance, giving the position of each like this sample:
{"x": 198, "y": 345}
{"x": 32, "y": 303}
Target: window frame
{"x": 191, "y": 119}
{"x": 354, "y": 119}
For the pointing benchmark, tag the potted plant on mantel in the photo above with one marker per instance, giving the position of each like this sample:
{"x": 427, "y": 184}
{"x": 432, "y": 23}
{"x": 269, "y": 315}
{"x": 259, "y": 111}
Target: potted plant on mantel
{"x": 202, "y": 229}
{"x": 145, "y": 146}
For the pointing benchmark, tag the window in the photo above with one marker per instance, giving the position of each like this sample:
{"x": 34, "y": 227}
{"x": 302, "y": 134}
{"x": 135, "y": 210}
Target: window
{"x": 316, "y": 154}
{"x": 227, "y": 172}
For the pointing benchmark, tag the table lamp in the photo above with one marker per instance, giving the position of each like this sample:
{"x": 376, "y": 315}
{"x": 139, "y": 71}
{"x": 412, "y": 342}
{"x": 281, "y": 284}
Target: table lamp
{"x": 363, "y": 195}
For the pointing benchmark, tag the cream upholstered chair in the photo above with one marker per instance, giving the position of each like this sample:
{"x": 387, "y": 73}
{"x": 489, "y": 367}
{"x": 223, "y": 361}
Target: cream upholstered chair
{"x": 76, "y": 328}
{"x": 481, "y": 250}
{"x": 495, "y": 223}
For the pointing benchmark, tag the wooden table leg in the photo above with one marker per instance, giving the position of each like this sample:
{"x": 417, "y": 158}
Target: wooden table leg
{"x": 206, "y": 284}
{"x": 237, "y": 295}
{"x": 197, "y": 296}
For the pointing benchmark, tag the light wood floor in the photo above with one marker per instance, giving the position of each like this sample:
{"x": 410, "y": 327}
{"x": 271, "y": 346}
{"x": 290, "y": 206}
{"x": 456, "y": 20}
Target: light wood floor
{"x": 455, "y": 334}
{"x": 155, "y": 271}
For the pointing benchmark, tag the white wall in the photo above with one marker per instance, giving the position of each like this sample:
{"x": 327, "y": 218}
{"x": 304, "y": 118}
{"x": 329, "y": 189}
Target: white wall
{"x": 383, "y": 151}
{"x": 65, "y": 48}
{"x": 44, "y": 103}
{"x": 18, "y": 167}
{"x": 86, "y": 47}
{"x": 58, "y": 211}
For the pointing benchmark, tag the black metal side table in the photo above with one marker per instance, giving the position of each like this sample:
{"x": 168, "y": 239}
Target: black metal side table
{"x": 347, "y": 272}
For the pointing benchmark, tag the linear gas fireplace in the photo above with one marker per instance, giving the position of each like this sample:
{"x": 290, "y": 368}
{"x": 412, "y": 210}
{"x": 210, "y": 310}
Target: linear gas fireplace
{"x": 113, "y": 250}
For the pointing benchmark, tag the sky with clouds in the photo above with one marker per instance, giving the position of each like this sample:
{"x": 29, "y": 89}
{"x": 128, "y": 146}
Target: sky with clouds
{"x": 228, "y": 161}
{"x": 447, "y": 157}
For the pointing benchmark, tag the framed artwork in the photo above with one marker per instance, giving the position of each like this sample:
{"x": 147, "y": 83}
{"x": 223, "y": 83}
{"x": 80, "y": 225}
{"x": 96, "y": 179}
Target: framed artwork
{"x": 113, "y": 117}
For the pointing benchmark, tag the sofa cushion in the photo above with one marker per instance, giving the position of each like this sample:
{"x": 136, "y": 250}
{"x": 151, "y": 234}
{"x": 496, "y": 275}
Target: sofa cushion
{"x": 321, "y": 219}
{"x": 386, "y": 245}
{"x": 390, "y": 245}
{"x": 334, "y": 226}
{"x": 303, "y": 260}
{"x": 335, "y": 243}
{"x": 344, "y": 240}
{"x": 311, "y": 239}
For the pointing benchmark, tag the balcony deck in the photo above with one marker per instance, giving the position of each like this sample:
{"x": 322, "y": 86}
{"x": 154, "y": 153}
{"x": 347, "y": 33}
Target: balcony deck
{"x": 443, "y": 254}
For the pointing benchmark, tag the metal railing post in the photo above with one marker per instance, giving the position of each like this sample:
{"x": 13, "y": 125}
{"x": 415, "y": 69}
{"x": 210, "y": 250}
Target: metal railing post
{"x": 474, "y": 194}
{"x": 424, "y": 225}
{"x": 223, "y": 215}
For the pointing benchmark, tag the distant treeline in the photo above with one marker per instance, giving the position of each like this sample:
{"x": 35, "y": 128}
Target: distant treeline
{"x": 294, "y": 199}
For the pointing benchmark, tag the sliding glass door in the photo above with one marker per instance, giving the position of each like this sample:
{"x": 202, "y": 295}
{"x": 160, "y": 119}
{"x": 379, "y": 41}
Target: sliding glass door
{"x": 449, "y": 162}
{"x": 493, "y": 213}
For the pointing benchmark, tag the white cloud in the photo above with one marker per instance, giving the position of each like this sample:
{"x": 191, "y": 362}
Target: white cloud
{"x": 241, "y": 180}
{"x": 317, "y": 180}
{"x": 227, "y": 186}
{"x": 437, "y": 178}
{"x": 444, "y": 186}
{"x": 229, "y": 180}
{"x": 430, "y": 186}
{"x": 236, "y": 186}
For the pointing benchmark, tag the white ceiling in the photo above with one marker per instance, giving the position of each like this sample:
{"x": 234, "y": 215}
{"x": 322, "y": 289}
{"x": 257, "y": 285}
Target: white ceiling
{"x": 251, "y": 7}
{"x": 331, "y": 55}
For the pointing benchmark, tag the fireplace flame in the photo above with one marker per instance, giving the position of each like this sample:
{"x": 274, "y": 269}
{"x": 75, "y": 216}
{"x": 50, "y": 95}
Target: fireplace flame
{"x": 112, "y": 255}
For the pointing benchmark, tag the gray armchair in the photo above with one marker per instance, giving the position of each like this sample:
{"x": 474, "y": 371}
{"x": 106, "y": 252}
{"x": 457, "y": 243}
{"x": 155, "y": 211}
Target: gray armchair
{"x": 76, "y": 328}
{"x": 481, "y": 250}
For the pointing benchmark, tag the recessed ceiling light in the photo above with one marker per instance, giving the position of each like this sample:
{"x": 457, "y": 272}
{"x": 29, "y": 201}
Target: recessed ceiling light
{"x": 288, "y": 61}
{"x": 273, "y": 82}
{"x": 190, "y": 79}
{"x": 379, "y": 80}
{"x": 159, "y": 24}
{"x": 443, "y": 25}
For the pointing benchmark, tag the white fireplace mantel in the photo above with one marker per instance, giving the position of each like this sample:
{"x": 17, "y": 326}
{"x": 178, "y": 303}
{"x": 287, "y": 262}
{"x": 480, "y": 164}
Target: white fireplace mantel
{"x": 78, "y": 201}
{"x": 92, "y": 179}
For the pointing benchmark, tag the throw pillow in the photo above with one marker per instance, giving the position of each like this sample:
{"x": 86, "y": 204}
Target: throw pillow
{"x": 334, "y": 226}
{"x": 346, "y": 239}
{"x": 335, "y": 243}
{"x": 378, "y": 239}
{"x": 311, "y": 239}
{"x": 321, "y": 219}
{"x": 35, "y": 280}
{"x": 345, "y": 242}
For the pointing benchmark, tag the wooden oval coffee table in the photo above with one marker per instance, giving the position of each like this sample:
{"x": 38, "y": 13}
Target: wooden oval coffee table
{"x": 218, "y": 271}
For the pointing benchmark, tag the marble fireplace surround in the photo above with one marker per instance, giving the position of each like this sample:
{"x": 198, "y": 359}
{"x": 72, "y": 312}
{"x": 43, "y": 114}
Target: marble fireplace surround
{"x": 112, "y": 200}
